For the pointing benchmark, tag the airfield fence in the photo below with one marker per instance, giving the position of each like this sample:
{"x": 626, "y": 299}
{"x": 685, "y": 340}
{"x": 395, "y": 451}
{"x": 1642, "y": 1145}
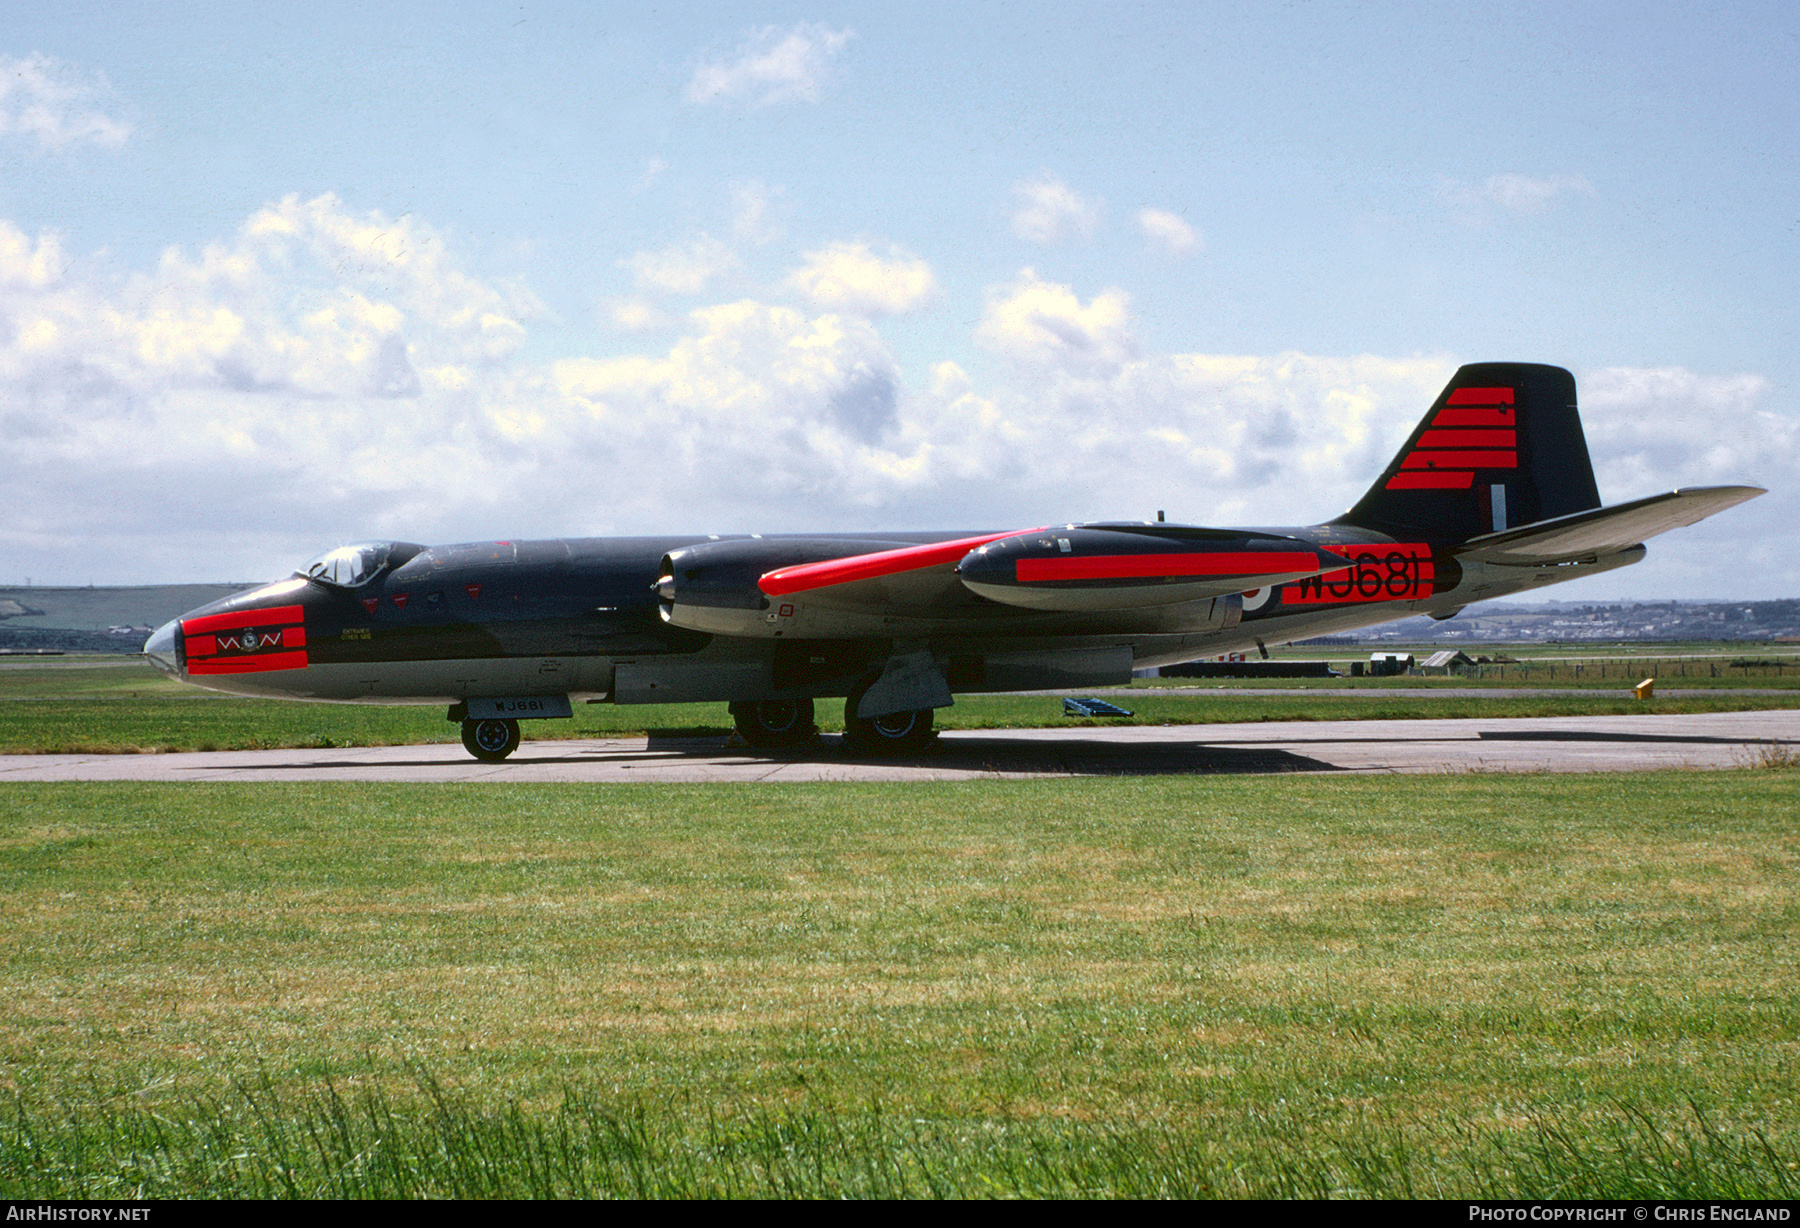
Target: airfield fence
{"x": 1632, "y": 667}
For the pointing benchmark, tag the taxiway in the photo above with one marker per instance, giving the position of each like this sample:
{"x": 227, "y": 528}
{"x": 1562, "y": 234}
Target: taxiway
{"x": 1548, "y": 744}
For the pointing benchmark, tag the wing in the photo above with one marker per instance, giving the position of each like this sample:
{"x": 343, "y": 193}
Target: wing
{"x": 982, "y": 581}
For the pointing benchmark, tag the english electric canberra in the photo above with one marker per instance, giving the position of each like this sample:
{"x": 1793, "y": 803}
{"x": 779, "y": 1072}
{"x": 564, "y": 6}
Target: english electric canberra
{"x": 1492, "y": 495}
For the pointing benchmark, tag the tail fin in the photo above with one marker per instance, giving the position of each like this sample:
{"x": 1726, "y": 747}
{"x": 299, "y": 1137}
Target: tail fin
{"x": 1502, "y": 446}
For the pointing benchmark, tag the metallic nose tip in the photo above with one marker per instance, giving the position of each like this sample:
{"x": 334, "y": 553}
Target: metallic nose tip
{"x": 160, "y": 648}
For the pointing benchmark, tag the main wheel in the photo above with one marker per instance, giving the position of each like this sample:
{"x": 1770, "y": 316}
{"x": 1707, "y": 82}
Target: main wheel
{"x": 774, "y": 722}
{"x": 897, "y": 733}
{"x": 492, "y": 740}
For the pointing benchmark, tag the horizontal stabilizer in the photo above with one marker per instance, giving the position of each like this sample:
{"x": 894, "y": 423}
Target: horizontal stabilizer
{"x": 1604, "y": 530}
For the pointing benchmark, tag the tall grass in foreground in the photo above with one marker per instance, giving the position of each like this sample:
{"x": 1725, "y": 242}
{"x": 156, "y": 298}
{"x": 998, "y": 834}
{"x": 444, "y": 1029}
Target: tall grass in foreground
{"x": 366, "y": 1143}
{"x": 1311, "y": 984}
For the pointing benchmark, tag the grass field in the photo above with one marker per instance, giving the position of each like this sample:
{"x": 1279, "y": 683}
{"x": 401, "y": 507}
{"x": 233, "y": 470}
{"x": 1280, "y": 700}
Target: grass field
{"x": 1428, "y": 986}
{"x": 92, "y": 705}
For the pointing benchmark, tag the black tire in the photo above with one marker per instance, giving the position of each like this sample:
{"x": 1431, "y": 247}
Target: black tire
{"x": 897, "y": 733}
{"x": 775, "y": 722}
{"x": 492, "y": 740}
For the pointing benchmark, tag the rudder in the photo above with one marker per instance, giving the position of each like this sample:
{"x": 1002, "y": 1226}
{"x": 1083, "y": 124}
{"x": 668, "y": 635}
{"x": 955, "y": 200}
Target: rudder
{"x": 1502, "y": 446}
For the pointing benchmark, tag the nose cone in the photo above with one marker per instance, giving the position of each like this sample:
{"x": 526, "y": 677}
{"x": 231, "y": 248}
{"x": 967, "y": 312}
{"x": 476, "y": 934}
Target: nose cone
{"x": 160, "y": 648}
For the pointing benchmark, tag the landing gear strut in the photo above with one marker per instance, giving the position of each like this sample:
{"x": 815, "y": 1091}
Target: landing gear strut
{"x": 775, "y": 722}
{"x": 490, "y": 740}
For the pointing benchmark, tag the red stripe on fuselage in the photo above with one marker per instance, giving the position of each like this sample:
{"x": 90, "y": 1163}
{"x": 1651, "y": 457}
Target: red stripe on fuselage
{"x": 1401, "y": 572}
{"x": 273, "y": 616}
{"x": 1144, "y": 566}
{"x": 806, "y": 576}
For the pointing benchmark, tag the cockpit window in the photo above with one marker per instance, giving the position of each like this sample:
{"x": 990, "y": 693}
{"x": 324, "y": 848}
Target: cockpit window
{"x": 349, "y": 566}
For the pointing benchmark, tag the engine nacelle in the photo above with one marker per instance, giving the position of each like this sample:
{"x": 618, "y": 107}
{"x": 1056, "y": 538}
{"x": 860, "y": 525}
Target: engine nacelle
{"x": 712, "y": 586}
{"x": 1124, "y": 567}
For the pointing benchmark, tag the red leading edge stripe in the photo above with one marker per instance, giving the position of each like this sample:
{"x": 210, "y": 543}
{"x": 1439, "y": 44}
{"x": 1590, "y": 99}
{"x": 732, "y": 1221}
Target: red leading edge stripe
{"x": 1134, "y": 566}
{"x": 806, "y": 576}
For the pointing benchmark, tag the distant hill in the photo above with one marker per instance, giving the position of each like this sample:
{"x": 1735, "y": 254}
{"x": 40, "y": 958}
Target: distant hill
{"x": 82, "y": 619}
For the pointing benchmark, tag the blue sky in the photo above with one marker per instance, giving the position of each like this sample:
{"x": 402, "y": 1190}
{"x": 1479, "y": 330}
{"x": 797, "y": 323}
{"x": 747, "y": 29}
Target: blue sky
{"x": 273, "y": 277}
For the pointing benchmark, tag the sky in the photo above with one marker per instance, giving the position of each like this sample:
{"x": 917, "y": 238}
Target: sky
{"x": 277, "y": 277}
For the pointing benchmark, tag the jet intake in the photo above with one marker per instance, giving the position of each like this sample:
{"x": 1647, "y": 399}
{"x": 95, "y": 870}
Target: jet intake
{"x": 712, "y": 587}
{"x": 1123, "y": 567}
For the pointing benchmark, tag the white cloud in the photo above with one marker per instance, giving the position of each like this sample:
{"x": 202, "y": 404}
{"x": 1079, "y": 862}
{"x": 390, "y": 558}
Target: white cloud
{"x": 54, "y": 102}
{"x": 682, "y": 268}
{"x": 1042, "y": 324}
{"x": 1654, "y": 429}
{"x": 1514, "y": 194}
{"x": 325, "y": 375}
{"x": 28, "y": 265}
{"x": 633, "y": 315}
{"x": 850, "y": 277}
{"x": 1050, "y": 211}
{"x": 771, "y": 65}
{"x": 1168, "y": 231}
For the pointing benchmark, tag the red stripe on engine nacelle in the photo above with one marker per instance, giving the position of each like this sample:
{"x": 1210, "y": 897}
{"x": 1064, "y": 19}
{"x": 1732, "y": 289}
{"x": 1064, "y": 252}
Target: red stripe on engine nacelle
{"x": 1431, "y": 479}
{"x": 1481, "y": 396}
{"x": 273, "y": 616}
{"x": 1144, "y": 566}
{"x": 1468, "y": 439}
{"x": 805, "y": 576}
{"x": 252, "y": 663}
{"x": 1495, "y": 416}
{"x": 1461, "y": 460}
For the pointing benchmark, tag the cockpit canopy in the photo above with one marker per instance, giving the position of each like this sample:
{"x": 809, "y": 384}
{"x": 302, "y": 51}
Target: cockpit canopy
{"x": 355, "y": 565}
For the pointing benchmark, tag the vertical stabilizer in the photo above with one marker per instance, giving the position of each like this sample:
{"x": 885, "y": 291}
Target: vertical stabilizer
{"x": 1501, "y": 447}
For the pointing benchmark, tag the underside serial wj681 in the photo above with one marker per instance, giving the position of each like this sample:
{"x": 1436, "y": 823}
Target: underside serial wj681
{"x": 1492, "y": 495}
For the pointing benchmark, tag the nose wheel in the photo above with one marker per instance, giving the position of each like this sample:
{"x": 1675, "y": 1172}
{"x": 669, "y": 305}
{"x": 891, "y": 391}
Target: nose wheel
{"x": 491, "y": 740}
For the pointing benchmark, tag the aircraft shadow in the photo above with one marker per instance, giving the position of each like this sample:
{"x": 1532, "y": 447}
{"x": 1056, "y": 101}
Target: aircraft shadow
{"x": 1075, "y": 756}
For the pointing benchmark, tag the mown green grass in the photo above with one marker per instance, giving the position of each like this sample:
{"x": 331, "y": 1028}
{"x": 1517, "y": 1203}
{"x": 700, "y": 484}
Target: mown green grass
{"x": 1453, "y": 986}
{"x": 124, "y": 706}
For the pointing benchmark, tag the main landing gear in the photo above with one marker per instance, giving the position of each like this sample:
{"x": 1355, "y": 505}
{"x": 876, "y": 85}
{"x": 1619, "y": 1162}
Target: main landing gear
{"x": 895, "y": 733}
{"x": 490, "y": 740}
{"x": 775, "y": 722}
